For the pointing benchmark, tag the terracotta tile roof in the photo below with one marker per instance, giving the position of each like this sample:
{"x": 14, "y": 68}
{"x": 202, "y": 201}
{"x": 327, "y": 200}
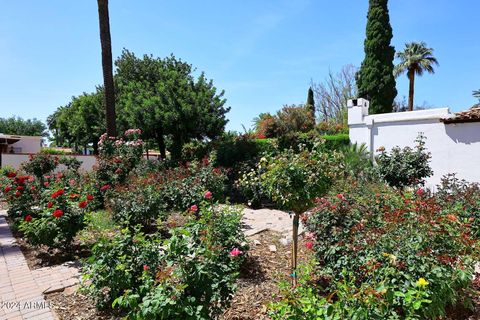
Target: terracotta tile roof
{"x": 471, "y": 115}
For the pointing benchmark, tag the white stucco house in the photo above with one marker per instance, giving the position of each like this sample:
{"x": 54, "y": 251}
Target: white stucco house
{"x": 20, "y": 144}
{"x": 453, "y": 139}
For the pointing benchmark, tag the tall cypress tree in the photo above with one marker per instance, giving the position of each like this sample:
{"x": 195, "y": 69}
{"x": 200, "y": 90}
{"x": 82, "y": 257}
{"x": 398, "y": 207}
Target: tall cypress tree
{"x": 311, "y": 102}
{"x": 375, "y": 79}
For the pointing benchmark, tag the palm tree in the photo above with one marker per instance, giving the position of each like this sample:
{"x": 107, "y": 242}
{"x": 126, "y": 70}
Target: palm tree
{"x": 476, "y": 94}
{"x": 107, "y": 67}
{"x": 416, "y": 58}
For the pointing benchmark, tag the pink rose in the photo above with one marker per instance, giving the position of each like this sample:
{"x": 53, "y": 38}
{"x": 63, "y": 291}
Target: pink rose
{"x": 309, "y": 245}
{"x": 193, "y": 208}
{"x": 208, "y": 195}
{"x": 235, "y": 252}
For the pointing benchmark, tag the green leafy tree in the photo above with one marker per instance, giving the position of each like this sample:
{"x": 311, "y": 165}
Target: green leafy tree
{"x": 416, "y": 58}
{"x": 162, "y": 97}
{"x": 19, "y": 126}
{"x": 80, "y": 123}
{"x": 311, "y": 102}
{"x": 375, "y": 79}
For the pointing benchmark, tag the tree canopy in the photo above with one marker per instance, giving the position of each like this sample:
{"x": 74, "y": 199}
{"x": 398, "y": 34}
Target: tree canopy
{"x": 375, "y": 78}
{"x": 415, "y": 59}
{"x": 19, "y": 126}
{"x": 160, "y": 96}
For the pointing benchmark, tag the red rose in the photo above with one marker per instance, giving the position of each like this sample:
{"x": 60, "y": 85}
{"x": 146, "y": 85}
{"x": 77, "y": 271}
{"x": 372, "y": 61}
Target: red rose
{"x": 89, "y": 197}
{"x": 7, "y": 189}
{"x": 57, "y": 193}
{"x": 18, "y": 194}
{"x": 105, "y": 187}
{"x": 33, "y": 188}
{"x": 309, "y": 245}
{"x": 420, "y": 192}
{"x": 50, "y": 204}
{"x": 82, "y": 204}
{"x": 340, "y": 196}
{"x": 208, "y": 195}
{"x": 19, "y": 188}
{"x": 57, "y": 213}
{"x": 11, "y": 174}
{"x": 146, "y": 267}
{"x": 28, "y": 218}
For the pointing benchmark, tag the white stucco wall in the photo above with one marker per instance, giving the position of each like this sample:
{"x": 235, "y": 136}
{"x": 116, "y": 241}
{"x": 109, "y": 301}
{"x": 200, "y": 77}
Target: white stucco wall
{"x": 455, "y": 147}
{"x": 27, "y": 144}
{"x": 16, "y": 160}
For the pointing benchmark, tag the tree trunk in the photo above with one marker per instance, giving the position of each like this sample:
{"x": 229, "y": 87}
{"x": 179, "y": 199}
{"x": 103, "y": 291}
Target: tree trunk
{"x": 95, "y": 146}
{"x": 411, "y": 89}
{"x": 109, "y": 94}
{"x": 296, "y": 221}
{"x": 161, "y": 144}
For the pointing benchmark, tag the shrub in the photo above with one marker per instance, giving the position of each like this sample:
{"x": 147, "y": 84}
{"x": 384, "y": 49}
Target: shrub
{"x": 405, "y": 167}
{"x": 232, "y": 149}
{"x": 40, "y": 165}
{"x": 117, "y": 158}
{"x": 388, "y": 241}
{"x": 153, "y": 195}
{"x": 189, "y": 275}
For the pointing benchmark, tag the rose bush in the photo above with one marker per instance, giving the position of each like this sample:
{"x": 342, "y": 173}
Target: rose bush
{"x": 388, "y": 254}
{"x": 190, "y": 274}
{"x": 154, "y": 194}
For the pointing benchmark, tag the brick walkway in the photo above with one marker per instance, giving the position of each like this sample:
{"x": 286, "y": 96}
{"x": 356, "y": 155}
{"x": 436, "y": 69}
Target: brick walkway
{"x": 20, "y": 295}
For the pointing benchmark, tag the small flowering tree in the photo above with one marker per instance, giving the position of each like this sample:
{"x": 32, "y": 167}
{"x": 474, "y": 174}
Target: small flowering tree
{"x": 292, "y": 180}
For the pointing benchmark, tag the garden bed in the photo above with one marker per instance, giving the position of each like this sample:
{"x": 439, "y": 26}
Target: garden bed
{"x": 257, "y": 284}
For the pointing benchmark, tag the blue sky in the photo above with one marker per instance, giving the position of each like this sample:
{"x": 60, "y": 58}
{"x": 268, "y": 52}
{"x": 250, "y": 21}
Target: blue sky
{"x": 262, "y": 53}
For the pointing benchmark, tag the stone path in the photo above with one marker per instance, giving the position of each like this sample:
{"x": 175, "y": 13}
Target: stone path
{"x": 20, "y": 296}
{"x": 256, "y": 221}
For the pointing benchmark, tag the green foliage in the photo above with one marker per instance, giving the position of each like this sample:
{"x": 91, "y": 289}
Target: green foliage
{"x": 80, "y": 123}
{"x": 287, "y": 120}
{"x": 53, "y": 151}
{"x": 162, "y": 97}
{"x": 392, "y": 255}
{"x": 310, "y": 102}
{"x": 21, "y": 127}
{"x": 148, "y": 196}
{"x": 375, "y": 79}
{"x": 295, "y": 140}
{"x": 291, "y": 179}
{"x": 232, "y": 149}
{"x": 188, "y": 275}
{"x": 405, "y": 167}
{"x": 40, "y": 165}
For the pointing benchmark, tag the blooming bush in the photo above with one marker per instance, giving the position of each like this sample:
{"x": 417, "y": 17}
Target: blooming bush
{"x": 153, "y": 195}
{"x": 188, "y": 275}
{"x": 407, "y": 254}
{"x": 48, "y": 209}
{"x": 117, "y": 158}
{"x": 405, "y": 167}
{"x": 40, "y": 165}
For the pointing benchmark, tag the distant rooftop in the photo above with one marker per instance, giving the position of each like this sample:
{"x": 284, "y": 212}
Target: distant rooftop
{"x": 470, "y": 115}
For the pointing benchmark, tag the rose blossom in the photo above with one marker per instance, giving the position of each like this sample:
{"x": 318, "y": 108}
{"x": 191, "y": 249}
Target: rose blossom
{"x": 82, "y": 204}
{"x": 208, "y": 195}
{"x": 235, "y": 252}
{"x": 89, "y": 197}
{"x": 57, "y": 213}
{"x": 28, "y": 218}
{"x": 309, "y": 245}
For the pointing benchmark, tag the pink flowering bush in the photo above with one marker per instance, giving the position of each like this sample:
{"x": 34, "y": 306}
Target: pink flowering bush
{"x": 189, "y": 274}
{"x": 118, "y": 156}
